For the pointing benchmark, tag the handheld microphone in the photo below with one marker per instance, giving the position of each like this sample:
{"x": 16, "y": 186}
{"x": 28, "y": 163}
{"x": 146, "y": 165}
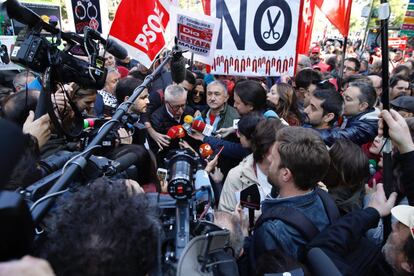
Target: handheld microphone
{"x": 176, "y": 132}
{"x": 177, "y": 65}
{"x": 205, "y": 150}
{"x": 202, "y": 127}
{"x": 188, "y": 120}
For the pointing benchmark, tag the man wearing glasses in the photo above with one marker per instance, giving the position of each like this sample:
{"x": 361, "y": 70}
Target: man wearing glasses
{"x": 170, "y": 114}
{"x": 351, "y": 67}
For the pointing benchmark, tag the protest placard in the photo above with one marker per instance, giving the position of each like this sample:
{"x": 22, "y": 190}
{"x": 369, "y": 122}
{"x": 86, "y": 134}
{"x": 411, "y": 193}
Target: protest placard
{"x": 196, "y": 33}
{"x": 256, "y": 38}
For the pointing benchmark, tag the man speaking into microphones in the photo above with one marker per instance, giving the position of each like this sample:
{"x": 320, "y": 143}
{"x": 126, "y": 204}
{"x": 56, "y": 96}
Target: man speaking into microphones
{"x": 170, "y": 114}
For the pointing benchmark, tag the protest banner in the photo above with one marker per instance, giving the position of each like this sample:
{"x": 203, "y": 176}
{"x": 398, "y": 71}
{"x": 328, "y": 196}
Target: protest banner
{"x": 256, "y": 38}
{"x": 6, "y": 43}
{"x": 139, "y": 26}
{"x": 196, "y": 33}
{"x": 397, "y": 43}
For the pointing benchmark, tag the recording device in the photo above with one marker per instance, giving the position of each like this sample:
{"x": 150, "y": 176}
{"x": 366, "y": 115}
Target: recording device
{"x": 250, "y": 199}
{"x": 34, "y": 50}
{"x": 93, "y": 125}
{"x": 181, "y": 165}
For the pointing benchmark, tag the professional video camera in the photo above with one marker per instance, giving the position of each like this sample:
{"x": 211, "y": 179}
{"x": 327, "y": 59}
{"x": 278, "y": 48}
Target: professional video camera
{"x": 192, "y": 244}
{"x": 37, "y": 47}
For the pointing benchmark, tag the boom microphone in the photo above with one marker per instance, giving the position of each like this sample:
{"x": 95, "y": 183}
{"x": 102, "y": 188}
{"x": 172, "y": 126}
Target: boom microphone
{"x": 178, "y": 70}
{"x": 124, "y": 162}
{"x": 22, "y": 14}
{"x": 116, "y": 49}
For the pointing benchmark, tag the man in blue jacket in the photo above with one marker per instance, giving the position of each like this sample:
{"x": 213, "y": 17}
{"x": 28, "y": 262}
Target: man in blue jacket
{"x": 299, "y": 160}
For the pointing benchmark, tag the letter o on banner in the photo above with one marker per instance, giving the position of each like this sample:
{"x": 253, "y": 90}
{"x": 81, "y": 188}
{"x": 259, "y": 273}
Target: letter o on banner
{"x": 154, "y": 23}
{"x": 281, "y": 4}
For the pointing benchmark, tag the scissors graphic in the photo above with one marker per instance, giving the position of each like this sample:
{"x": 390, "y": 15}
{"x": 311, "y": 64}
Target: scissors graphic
{"x": 272, "y": 24}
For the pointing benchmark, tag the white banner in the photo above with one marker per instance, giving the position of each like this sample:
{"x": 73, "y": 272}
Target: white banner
{"x": 257, "y": 38}
{"x": 196, "y": 33}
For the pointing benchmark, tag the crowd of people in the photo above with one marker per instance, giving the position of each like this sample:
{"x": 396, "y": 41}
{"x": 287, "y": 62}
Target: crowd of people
{"x": 312, "y": 144}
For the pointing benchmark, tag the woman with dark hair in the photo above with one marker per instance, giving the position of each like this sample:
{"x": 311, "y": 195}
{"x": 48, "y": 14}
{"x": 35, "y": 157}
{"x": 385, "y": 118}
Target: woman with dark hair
{"x": 254, "y": 168}
{"x": 249, "y": 96}
{"x": 282, "y": 99}
{"x": 348, "y": 171}
{"x": 196, "y": 98}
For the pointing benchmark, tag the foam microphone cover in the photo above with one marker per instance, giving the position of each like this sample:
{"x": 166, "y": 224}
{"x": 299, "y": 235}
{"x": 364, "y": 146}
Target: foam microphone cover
{"x": 22, "y": 14}
{"x": 178, "y": 70}
{"x": 116, "y": 49}
{"x": 188, "y": 119}
{"x": 198, "y": 125}
{"x": 180, "y": 132}
{"x": 172, "y": 132}
{"x": 205, "y": 150}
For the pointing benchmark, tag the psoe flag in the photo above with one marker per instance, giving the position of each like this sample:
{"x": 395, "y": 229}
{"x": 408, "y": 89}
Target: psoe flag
{"x": 139, "y": 26}
{"x": 338, "y": 13}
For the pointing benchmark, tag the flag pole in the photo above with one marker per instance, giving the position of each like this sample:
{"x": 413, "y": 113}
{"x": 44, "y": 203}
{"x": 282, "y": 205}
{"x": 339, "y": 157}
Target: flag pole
{"x": 341, "y": 68}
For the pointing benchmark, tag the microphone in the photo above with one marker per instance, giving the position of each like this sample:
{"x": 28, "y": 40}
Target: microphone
{"x": 177, "y": 65}
{"x": 176, "y": 132}
{"x": 188, "y": 119}
{"x": 22, "y": 14}
{"x": 205, "y": 150}
{"x": 116, "y": 49}
{"x": 124, "y": 162}
{"x": 202, "y": 127}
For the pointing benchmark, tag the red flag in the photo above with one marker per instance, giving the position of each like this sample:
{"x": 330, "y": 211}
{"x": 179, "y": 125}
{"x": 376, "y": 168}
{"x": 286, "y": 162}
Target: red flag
{"x": 338, "y": 12}
{"x": 139, "y": 26}
{"x": 305, "y": 27}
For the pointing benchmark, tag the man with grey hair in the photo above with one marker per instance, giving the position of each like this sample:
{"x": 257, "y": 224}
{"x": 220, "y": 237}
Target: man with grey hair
{"x": 220, "y": 114}
{"x": 171, "y": 113}
{"x": 303, "y": 62}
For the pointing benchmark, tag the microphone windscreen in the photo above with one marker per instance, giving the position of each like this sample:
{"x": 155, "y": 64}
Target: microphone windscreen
{"x": 172, "y": 132}
{"x": 205, "y": 150}
{"x": 198, "y": 125}
{"x": 178, "y": 70}
{"x": 116, "y": 49}
{"x": 188, "y": 119}
{"x": 180, "y": 132}
{"x": 125, "y": 161}
{"x": 22, "y": 14}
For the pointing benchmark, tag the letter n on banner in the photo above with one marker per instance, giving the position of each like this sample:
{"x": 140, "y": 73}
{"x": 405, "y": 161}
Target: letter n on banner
{"x": 256, "y": 38}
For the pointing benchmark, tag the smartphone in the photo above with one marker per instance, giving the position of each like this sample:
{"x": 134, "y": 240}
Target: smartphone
{"x": 211, "y": 157}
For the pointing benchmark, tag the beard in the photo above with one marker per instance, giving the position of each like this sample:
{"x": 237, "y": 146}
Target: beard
{"x": 390, "y": 251}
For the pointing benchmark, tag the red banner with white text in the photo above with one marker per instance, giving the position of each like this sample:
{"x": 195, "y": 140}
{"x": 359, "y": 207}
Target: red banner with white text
{"x": 139, "y": 26}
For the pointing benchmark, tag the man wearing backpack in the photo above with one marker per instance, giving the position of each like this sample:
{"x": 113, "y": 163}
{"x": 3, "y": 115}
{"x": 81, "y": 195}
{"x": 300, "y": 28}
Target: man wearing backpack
{"x": 299, "y": 160}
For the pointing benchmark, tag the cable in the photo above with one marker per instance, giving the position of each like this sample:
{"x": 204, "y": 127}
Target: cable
{"x": 112, "y": 120}
{"x": 77, "y": 155}
{"x": 46, "y": 197}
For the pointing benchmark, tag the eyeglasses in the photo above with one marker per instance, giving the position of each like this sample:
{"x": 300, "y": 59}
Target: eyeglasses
{"x": 349, "y": 68}
{"x": 175, "y": 108}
